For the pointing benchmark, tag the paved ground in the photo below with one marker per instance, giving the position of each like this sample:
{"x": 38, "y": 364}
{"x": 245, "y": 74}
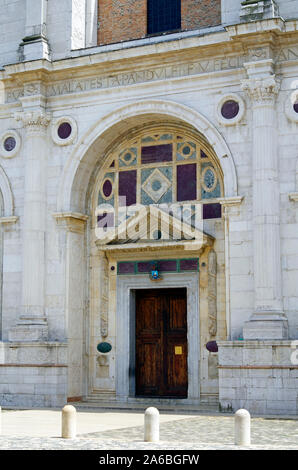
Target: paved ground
{"x": 102, "y": 430}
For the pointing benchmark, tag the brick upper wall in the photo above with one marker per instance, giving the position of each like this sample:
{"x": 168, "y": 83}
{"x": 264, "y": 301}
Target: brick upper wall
{"x": 122, "y": 20}
{"x": 196, "y": 14}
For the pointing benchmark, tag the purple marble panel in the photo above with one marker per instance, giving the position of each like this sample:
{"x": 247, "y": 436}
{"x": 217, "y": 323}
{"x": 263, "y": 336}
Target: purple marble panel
{"x": 295, "y": 106}
{"x": 211, "y": 211}
{"x": 128, "y": 267}
{"x": 144, "y": 266}
{"x": 128, "y": 187}
{"x": 157, "y": 153}
{"x": 168, "y": 265}
{"x": 186, "y": 182}
{"x": 188, "y": 265}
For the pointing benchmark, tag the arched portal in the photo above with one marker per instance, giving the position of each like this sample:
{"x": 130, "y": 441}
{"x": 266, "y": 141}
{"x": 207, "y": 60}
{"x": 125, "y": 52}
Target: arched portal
{"x": 92, "y": 172}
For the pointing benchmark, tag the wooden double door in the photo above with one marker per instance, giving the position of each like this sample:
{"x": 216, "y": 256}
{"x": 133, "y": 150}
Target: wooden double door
{"x": 161, "y": 343}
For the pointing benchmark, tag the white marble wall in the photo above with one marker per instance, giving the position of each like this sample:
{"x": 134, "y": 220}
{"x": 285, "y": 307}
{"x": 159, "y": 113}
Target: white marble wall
{"x": 66, "y": 263}
{"x": 12, "y": 29}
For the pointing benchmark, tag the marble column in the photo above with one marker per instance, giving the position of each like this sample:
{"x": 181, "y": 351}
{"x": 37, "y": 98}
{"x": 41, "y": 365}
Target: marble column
{"x": 33, "y": 323}
{"x": 268, "y": 320}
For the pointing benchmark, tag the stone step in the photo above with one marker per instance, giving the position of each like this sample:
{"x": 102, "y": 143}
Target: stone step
{"x": 141, "y": 404}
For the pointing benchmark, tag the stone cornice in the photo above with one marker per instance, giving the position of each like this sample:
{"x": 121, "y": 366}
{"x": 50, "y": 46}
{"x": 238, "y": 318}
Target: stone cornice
{"x": 181, "y": 247}
{"x": 231, "y": 201}
{"x": 144, "y": 48}
{"x": 261, "y": 90}
{"x": 70, "y": 215}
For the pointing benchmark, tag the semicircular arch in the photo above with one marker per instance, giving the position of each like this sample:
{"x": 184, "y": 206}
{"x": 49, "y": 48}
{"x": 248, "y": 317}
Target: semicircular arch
{"x": 93, "y": 145}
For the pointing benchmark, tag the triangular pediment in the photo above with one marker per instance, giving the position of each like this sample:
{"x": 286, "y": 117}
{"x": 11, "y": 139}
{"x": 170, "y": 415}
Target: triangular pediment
{"x": 152, "y": 226}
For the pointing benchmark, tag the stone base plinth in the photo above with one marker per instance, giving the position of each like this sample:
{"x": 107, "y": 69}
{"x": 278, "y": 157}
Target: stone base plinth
{"x": 260, "y": 376}
{"x": 33, "y": 374}
{"x": 258, "y": 10}
{"x": 33, "y": 48}
{"x": 265, "y": 330}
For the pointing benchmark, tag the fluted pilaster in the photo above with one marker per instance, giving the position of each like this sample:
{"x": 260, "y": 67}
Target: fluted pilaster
{"x": 268, "y": 320}
{"x": 33, "y": 323}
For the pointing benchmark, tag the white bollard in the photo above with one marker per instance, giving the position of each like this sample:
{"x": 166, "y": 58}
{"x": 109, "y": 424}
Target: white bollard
{"x": 69, "y": 422}
{"x": 151, "y": 425}
{"x": 242, "y": 428}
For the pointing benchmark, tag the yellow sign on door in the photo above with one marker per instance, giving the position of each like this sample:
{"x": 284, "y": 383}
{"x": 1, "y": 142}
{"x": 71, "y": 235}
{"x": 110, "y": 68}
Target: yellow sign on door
{"x": 178, "y": 350}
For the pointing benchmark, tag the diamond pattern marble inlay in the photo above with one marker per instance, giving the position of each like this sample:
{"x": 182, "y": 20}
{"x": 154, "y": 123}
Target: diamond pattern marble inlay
{"x": 156, "y": 185}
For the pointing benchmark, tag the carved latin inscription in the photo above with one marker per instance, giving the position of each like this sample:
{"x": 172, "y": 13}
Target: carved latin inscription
{"x": 194, "y": 68}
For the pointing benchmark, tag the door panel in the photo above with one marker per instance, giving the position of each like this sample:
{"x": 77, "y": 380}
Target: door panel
{"x": 161, "y": 343}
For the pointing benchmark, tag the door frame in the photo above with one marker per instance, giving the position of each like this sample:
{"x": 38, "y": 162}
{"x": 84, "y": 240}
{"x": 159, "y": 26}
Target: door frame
{"x": 125, "y": 330}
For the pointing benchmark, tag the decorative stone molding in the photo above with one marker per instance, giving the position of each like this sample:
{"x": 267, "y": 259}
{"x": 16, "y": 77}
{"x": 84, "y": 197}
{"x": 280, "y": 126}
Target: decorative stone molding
{"x": 73, "y": 133}
{"x": 291, "y": 114}
{"x": 261, "y": 90}
{"x": 293, "y": 197}
{"x": 34, "y": 121}
{"x": 15, "y": 141}
{"x": 212, "y": 296}
{"x": 230, "y": 97}
{"x": 104, "y": 295}
{"x": 8, "y": 220}
{"x": 231, "y": 201}
{"x": 127, "y": 284}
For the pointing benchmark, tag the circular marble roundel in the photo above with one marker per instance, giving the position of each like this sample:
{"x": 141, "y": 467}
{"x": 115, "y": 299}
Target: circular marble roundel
{"x": 9, "y": 144}
{"x": 230, "y": 109}
{"x": 212, "y": 346}
{"x": 107, "y": 188}
{"x": 104, "y": 348}
{"x": 127, "y": 157}
{"x": 186, "y": 150}
{"x": 156, "y": 185}
{"x": 64, "y": 130}
{"x": 295, "y": 106}
{"x": 209, "y": 178}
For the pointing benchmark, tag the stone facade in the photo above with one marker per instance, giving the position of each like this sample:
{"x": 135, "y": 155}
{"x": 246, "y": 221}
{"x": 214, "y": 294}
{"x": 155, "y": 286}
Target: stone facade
{"x": 69, "y": 108}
